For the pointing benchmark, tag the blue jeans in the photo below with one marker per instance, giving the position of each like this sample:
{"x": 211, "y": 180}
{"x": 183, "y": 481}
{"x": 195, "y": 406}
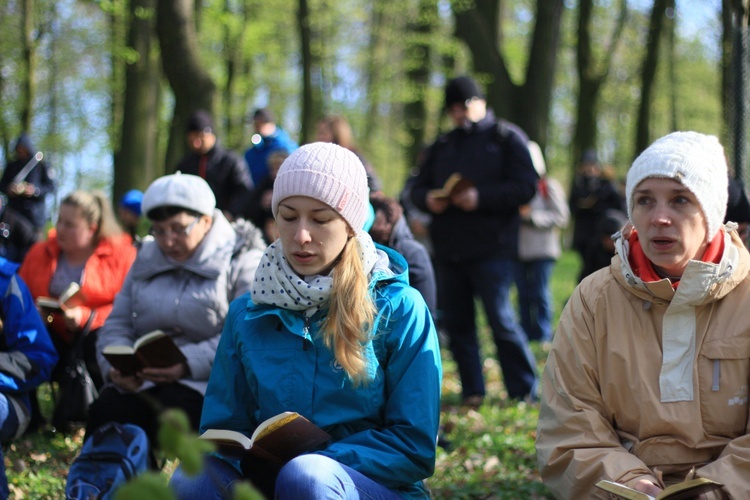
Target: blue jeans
{"x": 8, "y": 427}
{"x": 305, "y": 477}
{"x": 535, "y": 298}
{"x": 490, "y": 280}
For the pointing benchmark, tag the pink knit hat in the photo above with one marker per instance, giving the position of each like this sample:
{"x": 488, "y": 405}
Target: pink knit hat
{"x": 328, "y": 173}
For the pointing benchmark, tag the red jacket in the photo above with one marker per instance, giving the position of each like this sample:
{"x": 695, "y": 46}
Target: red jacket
{"x": 103, "y": 276}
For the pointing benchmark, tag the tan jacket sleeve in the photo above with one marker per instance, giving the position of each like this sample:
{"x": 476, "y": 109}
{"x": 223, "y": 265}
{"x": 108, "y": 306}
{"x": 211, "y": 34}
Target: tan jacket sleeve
{"x": 732, "y": 468}
{"x": 576, "y": 442}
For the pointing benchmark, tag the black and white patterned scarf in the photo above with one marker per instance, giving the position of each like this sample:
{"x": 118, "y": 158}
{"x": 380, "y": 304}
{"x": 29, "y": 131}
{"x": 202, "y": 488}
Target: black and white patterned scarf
{"x": 277, "y": 284}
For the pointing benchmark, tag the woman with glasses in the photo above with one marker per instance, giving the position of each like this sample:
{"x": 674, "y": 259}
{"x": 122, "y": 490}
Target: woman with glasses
{"x": 186, "y": 274}
{"x": 86, "y": 247}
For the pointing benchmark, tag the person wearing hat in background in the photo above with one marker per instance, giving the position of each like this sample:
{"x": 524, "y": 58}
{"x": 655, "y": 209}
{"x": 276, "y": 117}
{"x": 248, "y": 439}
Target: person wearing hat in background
{"x": 28, "y": 196}
{"x": 591, "y": 195}
{"x": 129, "y": 213}
{"x": 333, "y": 317}
{"x": 599, "y": 254}
{"x": 268, "y": 138}
{"x": 474, "y": 233}
{"x": 181, "y": 282}
{"x": 647, "y": 381}
{"x": 224, "y": 170}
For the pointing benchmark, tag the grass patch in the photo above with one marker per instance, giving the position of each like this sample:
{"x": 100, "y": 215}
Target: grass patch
{"x": 491, "y": 455}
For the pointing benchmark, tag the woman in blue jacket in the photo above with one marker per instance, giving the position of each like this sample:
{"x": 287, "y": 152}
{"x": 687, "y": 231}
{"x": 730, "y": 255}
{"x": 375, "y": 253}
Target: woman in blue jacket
{"x": 332, "y": 330}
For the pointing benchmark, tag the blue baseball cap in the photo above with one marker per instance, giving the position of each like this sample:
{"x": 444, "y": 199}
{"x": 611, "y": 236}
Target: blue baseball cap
{"x": 132, "y": 201}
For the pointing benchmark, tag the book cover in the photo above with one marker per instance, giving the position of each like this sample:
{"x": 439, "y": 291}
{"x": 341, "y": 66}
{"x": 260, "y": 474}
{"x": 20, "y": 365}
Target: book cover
{"x": 279, "y": 438}
{"x": 70, "y": 297}
{"x": 154, "y": 350}
{"x": 455, "y": 184}
{"x": 687, "y": 489}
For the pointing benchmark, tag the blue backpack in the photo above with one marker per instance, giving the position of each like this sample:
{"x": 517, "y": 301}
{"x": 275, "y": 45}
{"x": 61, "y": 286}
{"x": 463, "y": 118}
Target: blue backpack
{"x": 113, "y": 455}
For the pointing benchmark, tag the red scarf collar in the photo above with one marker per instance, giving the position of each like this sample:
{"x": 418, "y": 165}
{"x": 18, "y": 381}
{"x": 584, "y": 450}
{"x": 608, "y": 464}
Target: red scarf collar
{"x": 644, "y": 269}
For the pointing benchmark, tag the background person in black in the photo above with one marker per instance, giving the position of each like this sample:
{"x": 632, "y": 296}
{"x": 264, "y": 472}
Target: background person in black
{"x": 28, "y": 195}
{"x": 225, "y": 171}
{"x": 590, "y": 196}
{"x": 475, "y": 235}
{"x": 17, "y": 233}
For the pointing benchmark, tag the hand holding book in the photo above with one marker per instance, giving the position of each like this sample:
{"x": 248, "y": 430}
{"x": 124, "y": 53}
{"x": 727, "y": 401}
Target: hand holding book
{"x": 153, "y": 350}
{"x": 278, "y": 439}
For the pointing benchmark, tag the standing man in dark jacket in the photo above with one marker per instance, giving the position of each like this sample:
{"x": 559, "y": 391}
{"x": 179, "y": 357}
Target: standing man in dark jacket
{"x": 475, "y": 235}
{"x": 27, "y": 195}
{"x": 225, "y": 171}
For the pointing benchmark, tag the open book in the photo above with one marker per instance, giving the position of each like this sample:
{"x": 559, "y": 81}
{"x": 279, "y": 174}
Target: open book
{"x": 279, "y": 438}
{"x": 454, "y": 185}
{"x": 154, "y": 350}
{"x": 686, "y": 489}
{"x": 70, "y": 297}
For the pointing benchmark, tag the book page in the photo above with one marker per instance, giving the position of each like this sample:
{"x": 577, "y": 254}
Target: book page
{"x": 48, "y": 303}
{"x": 69, "y": 292}
{"x": 268, "y": 425}
{"x": 148, "y": 338}
{"x": 216, "y": 435}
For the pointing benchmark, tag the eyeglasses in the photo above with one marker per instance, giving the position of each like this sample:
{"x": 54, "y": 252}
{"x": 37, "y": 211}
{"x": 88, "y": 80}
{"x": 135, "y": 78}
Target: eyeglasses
{"x": 175, "y": 232}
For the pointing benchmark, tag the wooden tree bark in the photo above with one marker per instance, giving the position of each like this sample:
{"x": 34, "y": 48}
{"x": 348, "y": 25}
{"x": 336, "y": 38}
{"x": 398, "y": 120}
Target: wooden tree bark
{"x": 28, "y": 61}
{"x": 417, "y": 76}
{"x": 136, "y": 163}
{"x": 591, "y": 76}
{"x": 308, "y": 105}
{"x": 192, "y": 86}
{"x": 648, "y": 72}
{"x": 526, "y": 104}
{"x": 735, "y": 16}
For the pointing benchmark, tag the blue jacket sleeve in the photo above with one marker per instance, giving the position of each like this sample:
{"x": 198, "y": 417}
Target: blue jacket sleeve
{"x": 403, "y": 451}
{"x": 28, "y": 355}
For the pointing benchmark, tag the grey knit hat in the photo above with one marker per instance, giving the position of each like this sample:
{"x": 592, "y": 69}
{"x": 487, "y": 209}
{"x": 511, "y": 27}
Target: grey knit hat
{"x": 697, "y": 161}
{"x": 180, "y": 190}
{"x": 328, "y": 173}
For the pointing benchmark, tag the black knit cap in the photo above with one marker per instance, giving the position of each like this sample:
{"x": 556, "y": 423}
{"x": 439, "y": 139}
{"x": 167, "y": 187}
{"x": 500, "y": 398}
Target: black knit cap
{"x": 461, "y": 89}
{"x": 200, "y": 121}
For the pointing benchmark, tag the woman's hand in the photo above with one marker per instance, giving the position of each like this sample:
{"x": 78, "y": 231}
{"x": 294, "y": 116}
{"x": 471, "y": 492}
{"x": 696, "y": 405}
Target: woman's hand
{"x": 73, "y": 318}
{"x": 164, "y": 375}
{"x": 647, "y": 487}
{"x": 437, "y": 204}
{"x": 129, "y": 383}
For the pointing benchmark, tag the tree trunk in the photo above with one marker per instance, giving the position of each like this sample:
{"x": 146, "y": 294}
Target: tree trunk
{"x": 528, "y": 104}
{"x": 192, "y": 86}
{"x": 28, "y": 61}
{"x": 418, "y": 77}
{"x": 534, "y": 99}
{"x": 591, "y": 80}
{"x": 136, "y": 164}
{"x": 648, "y": 73}
{"x": 308, "y": 115}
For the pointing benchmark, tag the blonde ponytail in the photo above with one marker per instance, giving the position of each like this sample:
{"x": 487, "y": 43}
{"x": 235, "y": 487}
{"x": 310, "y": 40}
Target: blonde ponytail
{"x": 351, "y": 314}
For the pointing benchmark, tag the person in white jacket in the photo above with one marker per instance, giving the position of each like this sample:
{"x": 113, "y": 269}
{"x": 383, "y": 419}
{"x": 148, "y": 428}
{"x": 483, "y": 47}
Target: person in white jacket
{"x": 538, "y": 250}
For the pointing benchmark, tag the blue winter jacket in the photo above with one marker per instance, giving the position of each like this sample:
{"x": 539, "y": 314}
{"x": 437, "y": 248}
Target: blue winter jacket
{"x": 271, "y": 360}
{"x": 256, "y": 156}
{"x": 27, "y": 355}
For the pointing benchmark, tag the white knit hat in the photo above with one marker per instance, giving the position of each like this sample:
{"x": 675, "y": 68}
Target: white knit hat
{"x": 697, "y": 161}
{"x": 328, "y": 173}
{"x": 180, "y": 190}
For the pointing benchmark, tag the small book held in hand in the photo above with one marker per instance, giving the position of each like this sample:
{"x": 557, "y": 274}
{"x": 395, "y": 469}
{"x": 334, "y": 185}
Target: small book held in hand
{"x": 278, "y": 439}
{"x": 154, "y": 350}
{"x": 70, "y": 297}
{"x": 455, "y": 184}
{"x": 687, "y": 489}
